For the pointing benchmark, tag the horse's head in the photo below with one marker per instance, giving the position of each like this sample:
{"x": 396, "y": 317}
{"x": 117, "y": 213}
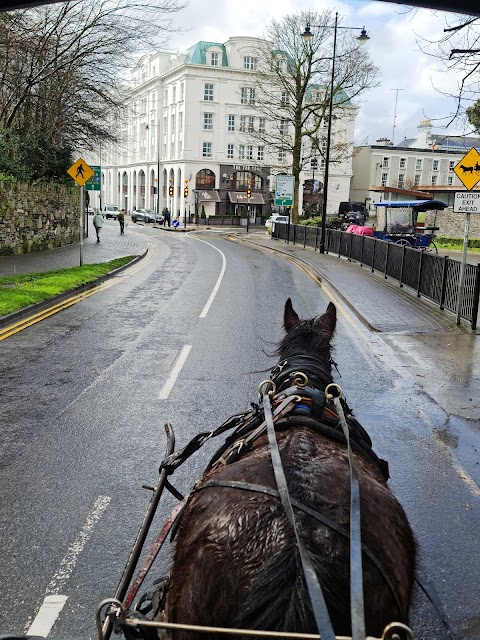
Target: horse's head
{"x": 307, "y": 337}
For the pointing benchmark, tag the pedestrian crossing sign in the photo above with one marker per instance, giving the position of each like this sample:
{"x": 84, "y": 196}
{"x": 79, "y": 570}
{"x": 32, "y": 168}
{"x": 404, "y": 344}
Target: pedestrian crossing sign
{"x": 80, "y": 172}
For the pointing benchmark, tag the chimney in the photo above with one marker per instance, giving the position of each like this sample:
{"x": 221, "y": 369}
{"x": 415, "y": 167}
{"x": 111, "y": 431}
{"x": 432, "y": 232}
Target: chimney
{"x": 384, "y": 142}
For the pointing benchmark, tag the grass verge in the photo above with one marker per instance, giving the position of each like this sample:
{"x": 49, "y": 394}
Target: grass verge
{"x": 17, "y": 292}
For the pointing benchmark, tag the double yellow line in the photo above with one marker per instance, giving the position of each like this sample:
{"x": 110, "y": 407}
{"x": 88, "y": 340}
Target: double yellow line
{"x": 50, "y": 311}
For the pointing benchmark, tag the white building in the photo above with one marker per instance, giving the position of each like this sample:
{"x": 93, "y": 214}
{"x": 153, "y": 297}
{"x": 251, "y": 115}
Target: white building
{"x": 186, "y": 123}
{"x": 420, "y": 167}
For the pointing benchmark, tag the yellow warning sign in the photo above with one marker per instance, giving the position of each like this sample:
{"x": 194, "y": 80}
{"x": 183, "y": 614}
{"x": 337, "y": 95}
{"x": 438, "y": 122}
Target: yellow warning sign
{"x": 468, "y": 169}
{"x": 81, "y": 172}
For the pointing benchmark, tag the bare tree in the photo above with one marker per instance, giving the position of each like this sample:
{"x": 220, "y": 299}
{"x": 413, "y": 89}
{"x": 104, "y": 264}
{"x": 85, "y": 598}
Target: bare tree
{"x": 62, "y": 66}
{"x": 293, "y": 79}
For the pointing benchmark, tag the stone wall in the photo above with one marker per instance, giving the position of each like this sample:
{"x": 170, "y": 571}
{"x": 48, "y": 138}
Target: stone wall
{"x": 37, "y": 217}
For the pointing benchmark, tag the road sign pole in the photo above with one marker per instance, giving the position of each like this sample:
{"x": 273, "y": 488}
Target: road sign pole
{"x": 81, "y": 225}
{"x": 461, "y": 283}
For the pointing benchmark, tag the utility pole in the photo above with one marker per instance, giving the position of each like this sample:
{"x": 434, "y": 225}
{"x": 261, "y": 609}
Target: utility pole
{"x": 395, "y": 113}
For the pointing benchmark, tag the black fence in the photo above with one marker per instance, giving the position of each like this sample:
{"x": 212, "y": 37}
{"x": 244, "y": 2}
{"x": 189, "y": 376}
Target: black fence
{"x": 230, "y": 221}
{"x": 435, "y": 277}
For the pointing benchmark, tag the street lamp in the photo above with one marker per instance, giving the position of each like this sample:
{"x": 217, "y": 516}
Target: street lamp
{"x": 147, "y": 128}
{"x": 307, "y": 35}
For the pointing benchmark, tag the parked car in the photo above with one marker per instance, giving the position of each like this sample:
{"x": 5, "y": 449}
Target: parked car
{"x": 143, "y": 215}
{"x": 110, "y": 211}
{"x": 353, "y": 212}
{"x": 276, "y": 218}
{"x": 90, "y": 211}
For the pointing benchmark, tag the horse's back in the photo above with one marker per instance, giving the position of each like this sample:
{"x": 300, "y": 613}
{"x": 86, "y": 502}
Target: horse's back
{"x": 236, "y": 562}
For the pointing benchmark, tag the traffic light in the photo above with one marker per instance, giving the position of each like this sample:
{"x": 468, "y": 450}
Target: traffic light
{"x": 249, "y": 192}
{"x": 170, "y": 191}
{"x": 185, "y": 192}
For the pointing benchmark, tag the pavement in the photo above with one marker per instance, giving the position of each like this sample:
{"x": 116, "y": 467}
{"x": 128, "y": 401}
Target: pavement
{"x": 380, "y": 304}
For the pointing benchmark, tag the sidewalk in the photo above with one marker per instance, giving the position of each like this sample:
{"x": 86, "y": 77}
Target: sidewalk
{"x": 112, "y": 245}
{"x": 379, "y": 303}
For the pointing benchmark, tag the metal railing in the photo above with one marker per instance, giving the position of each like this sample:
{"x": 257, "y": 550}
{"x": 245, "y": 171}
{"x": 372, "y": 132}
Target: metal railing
{"x": 434, "y": 277}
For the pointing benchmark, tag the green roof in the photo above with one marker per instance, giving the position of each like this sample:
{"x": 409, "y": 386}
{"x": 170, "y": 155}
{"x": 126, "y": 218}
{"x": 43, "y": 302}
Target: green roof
{"x": 340, "y": 97}
{"x": 197, "y": 53}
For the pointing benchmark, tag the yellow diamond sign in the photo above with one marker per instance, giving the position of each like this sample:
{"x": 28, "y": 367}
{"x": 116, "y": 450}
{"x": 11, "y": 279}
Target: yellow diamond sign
{"x": 468, "y": 169}
{"x": 81, "y": 172}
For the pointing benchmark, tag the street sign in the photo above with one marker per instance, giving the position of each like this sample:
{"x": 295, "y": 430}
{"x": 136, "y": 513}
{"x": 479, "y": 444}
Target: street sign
{"x": 93, "y": 183}
{"x": 466, "y": 202}
{"x": 80, "y": 172}
{"x": 468, "y": 169}
{"x": 284, "y": 186}
{"x": 175, "y": 224}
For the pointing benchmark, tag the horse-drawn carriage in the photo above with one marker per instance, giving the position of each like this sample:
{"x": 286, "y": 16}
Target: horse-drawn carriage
{"x": 270, "y": 542}
{"x": 400, "y": 223}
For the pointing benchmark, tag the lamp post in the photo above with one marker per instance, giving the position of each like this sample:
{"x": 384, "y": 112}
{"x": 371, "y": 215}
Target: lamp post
{"x": 147, "y": 128}
{"x": 307, "y": 35}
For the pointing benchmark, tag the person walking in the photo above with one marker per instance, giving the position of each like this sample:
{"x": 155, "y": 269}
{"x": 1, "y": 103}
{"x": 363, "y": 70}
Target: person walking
{"x": 121, "y": 220}
{"x": 98, "y": 223}
{"x": 166, "y": 217}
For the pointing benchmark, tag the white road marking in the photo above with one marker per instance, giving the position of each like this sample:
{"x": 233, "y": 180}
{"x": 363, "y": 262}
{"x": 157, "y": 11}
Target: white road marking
{"x": 54, "y": 602}
{"x": 219, "y": 279}
{"x": 177, "y": 367}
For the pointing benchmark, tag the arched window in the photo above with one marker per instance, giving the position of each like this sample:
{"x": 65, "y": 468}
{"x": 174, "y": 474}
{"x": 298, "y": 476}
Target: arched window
{"x": 205, "y": 179}
{"x": 243, "y": 178}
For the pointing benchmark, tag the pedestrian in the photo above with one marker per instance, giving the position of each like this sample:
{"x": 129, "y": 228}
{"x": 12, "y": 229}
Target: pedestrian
{"x": 121, "y": 220}
{"x": 166, "y": 217}
{"x": 98, "y": 223}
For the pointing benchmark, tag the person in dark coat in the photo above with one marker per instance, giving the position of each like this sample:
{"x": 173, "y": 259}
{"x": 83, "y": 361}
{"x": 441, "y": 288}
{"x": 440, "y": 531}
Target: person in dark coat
{"x": 166, "y": 217}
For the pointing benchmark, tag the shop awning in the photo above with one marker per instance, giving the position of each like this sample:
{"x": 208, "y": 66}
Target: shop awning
{"x": 240, "y": 197}
{"x": 208, "y": 196}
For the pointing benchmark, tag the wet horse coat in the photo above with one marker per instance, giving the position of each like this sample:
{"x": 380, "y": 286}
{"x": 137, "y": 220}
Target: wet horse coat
{"x": 236, "y": 563}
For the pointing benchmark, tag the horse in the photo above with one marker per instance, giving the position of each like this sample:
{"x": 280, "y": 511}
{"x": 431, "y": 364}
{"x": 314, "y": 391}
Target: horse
{"x": 466, "y": 169}
{"x": 236, "y": 561}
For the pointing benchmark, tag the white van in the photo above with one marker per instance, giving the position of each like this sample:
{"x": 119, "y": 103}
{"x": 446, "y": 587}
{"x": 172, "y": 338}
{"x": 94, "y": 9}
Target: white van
{"x": 111, "y": 211}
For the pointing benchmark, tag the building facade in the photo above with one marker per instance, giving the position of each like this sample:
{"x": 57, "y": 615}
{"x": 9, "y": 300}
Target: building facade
{"x": 421, "y": 167}
{"x": 186, "y": 137}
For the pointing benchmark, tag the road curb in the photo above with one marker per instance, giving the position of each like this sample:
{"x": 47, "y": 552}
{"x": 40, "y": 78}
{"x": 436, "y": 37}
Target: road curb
{"x": 44, "y": 304}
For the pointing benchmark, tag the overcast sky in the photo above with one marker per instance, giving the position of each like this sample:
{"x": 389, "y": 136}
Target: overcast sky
{"x": 393, "y": 29}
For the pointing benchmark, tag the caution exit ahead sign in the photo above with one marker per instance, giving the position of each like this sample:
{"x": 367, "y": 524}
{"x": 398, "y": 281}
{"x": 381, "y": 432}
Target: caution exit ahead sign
{"x": 466, "y": 202}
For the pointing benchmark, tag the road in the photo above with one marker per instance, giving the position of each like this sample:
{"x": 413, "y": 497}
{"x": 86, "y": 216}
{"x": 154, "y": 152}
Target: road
{"x": 87, "y": 391}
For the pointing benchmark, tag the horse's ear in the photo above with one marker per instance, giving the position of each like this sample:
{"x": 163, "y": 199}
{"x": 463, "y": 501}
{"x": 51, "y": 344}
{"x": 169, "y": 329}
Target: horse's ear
{"x": 328, "y": 320}
{"x": 290, "y": 317}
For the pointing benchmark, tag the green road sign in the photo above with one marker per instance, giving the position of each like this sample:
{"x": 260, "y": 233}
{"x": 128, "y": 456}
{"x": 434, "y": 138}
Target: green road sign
{"x": 284, "y": 186}
{"x": 93, "y": 183}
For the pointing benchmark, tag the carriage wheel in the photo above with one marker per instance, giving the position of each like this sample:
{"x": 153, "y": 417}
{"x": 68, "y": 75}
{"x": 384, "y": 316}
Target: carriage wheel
{"x": 403, "y": 242}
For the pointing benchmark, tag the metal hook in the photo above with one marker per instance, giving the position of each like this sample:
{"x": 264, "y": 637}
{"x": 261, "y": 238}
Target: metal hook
{"x": 330, "y": 396}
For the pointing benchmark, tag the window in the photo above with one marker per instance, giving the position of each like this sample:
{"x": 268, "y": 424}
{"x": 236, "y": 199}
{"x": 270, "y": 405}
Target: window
{"x": 403, "y": 163}
{"x": 165, "y": 96}
{"x": 401, "y": 180}
{"x": 283, "y": 126}
{"x": 174, "y": 93}
{"x": 450, "y": 181}
{"x": 386, "y": 163}
{"x": 434, "y": 180}
{"x": 243, "y": 120}
{"x": 451, "y": 164}
{"x": 230, "y": 151}
{"x": 416, "y": 180}
{"x": 172, "y": 121}
{"x": 251, "y": 123}
{"x": 279, "y": 64}
{"x": 207, "y": 150}
{"x": 261, "y": 125}
{"x": 241, "y": 151}
{"x": 435, "y": 165}
{"x": 249, "y": 63}
{"x": 384, "y": 179}
{"x": 214, "y": 56}
{"x": 249, "y": 152}
{"x": 247, "y": 95}
{"x": 282, "y": 155}
{"x": 208, "y": 92}
{"x": 208, "y": 120}
{"x": 231, "y": 123}
{"x": 285, "y": 97}
{"x": 260, "y": 153}
{"x": 314, "y": 164}
{"x": 418, "y": 164}
{"x": 180, "y": 121}
{"x": 182, "y": 91}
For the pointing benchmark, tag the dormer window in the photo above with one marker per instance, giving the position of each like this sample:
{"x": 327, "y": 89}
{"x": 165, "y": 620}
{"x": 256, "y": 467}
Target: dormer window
{"x": 214, "y": 58}
{"x": 249, "y": 63}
